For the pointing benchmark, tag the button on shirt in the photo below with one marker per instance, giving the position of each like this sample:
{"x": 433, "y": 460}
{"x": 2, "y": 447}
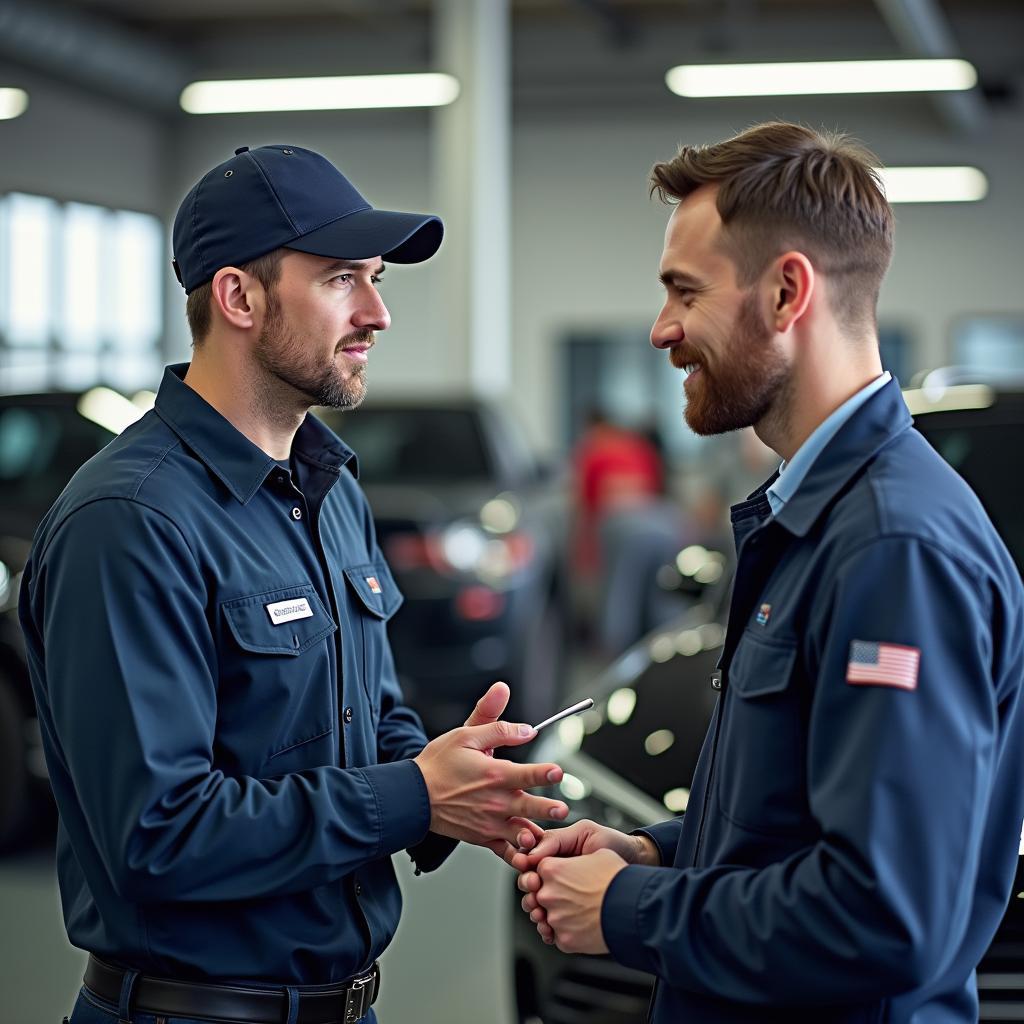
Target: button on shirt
{"x": 195, "y": 618}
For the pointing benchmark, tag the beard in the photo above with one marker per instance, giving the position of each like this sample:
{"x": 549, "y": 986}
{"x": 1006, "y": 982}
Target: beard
{"x": 289, "y": 357}
{"x": 748, "y": 380}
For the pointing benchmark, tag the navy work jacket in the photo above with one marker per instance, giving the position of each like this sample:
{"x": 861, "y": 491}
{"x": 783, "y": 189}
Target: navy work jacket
{"x": 849, "y": 845}
{"x": 224, "y": 732}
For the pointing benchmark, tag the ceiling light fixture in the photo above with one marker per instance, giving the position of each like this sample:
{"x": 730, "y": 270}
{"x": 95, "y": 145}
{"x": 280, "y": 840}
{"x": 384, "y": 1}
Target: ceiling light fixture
{"x": 347, "y": 92}
{"x": 933, "y": 184}
{"x": 808, "y": 78}
{"x": 13, "y": 103}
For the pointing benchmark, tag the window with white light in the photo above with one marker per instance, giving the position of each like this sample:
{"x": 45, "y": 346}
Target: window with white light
{"x": 80, "y": 295}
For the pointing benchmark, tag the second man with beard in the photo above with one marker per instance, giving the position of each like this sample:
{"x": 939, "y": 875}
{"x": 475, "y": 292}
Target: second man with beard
{"x": 853, "y": 822}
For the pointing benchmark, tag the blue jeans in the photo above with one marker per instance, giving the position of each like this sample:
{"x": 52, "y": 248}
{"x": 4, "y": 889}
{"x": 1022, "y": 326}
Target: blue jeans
{"x": 90, "y": 1009}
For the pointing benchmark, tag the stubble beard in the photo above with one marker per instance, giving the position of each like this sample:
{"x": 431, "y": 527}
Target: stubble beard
{"x": 750, "y": 381}
{"x": 288, "y": 357}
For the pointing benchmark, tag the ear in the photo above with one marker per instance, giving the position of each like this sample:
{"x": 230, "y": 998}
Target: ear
{"x": 234, "y": 297}
{"x": 791, "y": 280}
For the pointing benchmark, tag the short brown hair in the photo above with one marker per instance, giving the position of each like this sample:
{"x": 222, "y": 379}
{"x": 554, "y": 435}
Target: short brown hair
{"x": 784, "y": 186}
{"x": 266, "y": 269}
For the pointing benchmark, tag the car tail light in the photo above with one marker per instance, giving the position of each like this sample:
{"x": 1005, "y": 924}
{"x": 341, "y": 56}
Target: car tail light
{"x": 463, "y": 549}
{"x": 479, "y": 603}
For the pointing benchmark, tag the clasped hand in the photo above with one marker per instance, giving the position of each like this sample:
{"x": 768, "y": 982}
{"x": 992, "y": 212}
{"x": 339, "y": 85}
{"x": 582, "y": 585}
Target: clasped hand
{"x": 565, "y": 875}
{"x": 481, "y": 799}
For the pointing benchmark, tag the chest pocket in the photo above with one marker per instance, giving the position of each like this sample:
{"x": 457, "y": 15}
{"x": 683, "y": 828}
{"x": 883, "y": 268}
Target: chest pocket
{"x": 762, "y": 755}
{"x": 376, "y": 599}
{"x": 275, "y": 695}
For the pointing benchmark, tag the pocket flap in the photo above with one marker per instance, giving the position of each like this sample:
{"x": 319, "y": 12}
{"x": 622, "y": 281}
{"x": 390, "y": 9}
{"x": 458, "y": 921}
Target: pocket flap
{"x": 759, "y": 668}
{"x": 376, "y": 588}
{"x": 286, "y": 621}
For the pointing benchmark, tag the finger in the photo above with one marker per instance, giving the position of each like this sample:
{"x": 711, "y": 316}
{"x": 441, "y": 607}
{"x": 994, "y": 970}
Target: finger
{"x": 529, "y": 903}
{"x": 498, "y": 734}
{"x": 506, "y": 851}
{"x": 490, "y": 706}
{"x": 518, "y": 861}
{"x": 530, "y": 835}
{"x": 557, "y": 842}
{"x": 528, "y": 882}
{"x": 537, "y": 916}
{"x": 527, "y": 806}
{"x": 530, "y": 776}
{"x": 546, "y": 932}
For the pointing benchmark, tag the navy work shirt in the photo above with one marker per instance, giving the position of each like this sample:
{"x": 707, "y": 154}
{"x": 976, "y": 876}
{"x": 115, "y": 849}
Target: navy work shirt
{"x": 224, "y": 733}
{"x": 854, "y": 819}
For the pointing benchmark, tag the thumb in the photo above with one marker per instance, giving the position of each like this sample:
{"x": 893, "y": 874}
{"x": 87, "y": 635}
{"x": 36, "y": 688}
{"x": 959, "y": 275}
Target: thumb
{"x": 499, "y": 734}
{"x": 490, "y": 706}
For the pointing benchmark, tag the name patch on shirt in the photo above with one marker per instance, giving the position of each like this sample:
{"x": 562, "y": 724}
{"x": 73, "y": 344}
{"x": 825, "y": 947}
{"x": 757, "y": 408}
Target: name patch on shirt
{"x": 281, "y": 612}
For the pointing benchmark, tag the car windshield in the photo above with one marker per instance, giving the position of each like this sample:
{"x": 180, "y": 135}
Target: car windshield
{"x": 413, "y": 445}
{"x": 979, "y": 453}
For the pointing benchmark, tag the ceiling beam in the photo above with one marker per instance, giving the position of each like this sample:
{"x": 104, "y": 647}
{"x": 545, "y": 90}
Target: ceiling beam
{"x": 921, "y": 28}
{"x": 92, "y": 52}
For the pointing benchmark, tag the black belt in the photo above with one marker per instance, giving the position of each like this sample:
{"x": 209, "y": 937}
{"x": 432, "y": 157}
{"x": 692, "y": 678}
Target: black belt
{"x": 334, "y": 1004}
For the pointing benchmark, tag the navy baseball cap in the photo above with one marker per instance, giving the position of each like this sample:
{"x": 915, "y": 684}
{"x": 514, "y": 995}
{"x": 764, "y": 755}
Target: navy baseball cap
{"x": 283, "y": 196}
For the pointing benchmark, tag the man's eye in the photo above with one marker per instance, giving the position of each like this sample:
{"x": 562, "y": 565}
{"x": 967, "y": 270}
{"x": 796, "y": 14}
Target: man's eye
{"x": 343, "y": 278}
{"x": 375, "y": 279}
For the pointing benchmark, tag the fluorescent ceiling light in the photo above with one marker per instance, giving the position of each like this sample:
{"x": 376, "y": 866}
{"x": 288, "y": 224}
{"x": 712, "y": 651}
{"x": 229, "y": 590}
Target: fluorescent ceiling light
{"x": 349, "y": 92}
{"x": 13, "y": 103}
{"x": 933, "y": 184}
{"x": 821, "y": 77}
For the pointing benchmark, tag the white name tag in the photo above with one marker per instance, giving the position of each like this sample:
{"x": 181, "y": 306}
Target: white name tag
{"x": 281, "y": 612}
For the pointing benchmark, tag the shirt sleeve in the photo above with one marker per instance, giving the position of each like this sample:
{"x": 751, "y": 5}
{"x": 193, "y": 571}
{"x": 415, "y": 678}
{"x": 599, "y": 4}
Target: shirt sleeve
{"x": 130, "y": 680}
{"x": 898, "y": 782}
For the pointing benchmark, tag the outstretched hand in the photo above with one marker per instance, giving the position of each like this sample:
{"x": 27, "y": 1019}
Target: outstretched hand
{"x": 476, "y": 797}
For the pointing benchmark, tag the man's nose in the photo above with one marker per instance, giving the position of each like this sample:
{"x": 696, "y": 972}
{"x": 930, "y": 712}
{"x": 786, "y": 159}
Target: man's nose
{"x": 667, "y": 330}
{"x": 372, "y": 313}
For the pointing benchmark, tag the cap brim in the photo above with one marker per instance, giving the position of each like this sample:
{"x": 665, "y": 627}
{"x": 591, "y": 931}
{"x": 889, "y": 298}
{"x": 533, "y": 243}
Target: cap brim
{"x": 397, "y": 237}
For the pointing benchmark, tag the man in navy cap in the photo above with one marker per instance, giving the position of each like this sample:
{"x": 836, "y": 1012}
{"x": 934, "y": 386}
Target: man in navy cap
{"x": 205, "y": 610}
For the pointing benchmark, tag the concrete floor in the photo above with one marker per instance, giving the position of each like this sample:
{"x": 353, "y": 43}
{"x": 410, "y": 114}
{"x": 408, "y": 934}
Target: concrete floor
{"x": 451, "y": 953}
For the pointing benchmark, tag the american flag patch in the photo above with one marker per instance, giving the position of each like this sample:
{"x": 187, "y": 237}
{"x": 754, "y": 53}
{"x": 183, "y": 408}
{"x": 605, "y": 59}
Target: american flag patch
{"x": 883, "y": 665}
{"x": 374, "y": 585}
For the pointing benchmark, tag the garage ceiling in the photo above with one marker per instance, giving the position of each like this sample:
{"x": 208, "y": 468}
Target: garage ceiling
{"x": 567, "y": 51}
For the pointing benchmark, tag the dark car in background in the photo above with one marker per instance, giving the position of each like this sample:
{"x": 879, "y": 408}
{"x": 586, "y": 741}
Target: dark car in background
{"x": 629, "y": 760}
{"x": 44, "y": 438}
{"x": 473, "y": 528}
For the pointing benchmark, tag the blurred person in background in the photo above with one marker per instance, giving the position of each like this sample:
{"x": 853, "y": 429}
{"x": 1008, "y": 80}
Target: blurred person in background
{"x": 638, "y": 535}
{"x": 854, "y": 818}
{"x": 618, "y": 474}
{"x": 205, "y": 612}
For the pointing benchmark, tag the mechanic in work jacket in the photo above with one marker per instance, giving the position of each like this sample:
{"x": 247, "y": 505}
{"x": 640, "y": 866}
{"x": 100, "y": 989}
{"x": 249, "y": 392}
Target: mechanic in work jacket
{"x": 215, "y": 651}
{"x": 854, "y": 820}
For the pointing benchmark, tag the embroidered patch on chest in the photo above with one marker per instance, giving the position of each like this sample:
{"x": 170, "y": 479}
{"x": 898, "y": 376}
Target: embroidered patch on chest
{"x": 374, "y": 585}
{"x": 875, "y": 664}
{"x": 281, "y": 612}
{"x": 764, "y": 613}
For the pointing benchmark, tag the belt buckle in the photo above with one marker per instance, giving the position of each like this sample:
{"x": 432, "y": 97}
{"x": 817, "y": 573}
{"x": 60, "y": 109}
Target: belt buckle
{"x": 358, "y": 999}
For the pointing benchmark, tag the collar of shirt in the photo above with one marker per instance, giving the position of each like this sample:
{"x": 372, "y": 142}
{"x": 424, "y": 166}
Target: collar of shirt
{"x": 792, "y": 473}
{"x": 239, "y": 464}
